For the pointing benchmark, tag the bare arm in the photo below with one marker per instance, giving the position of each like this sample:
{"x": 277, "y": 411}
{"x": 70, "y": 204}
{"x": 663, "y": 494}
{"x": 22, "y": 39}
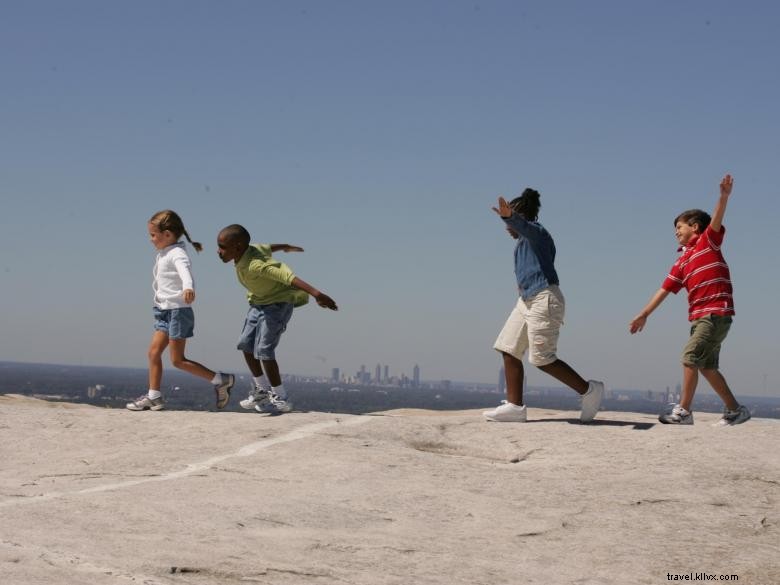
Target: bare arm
{"x": 285, "y": 248}
{"x": 638, "y": 322}
{"x": 720, "y": 208}
{"x": 322, "y": 299}
{"x": 503, "y": 209}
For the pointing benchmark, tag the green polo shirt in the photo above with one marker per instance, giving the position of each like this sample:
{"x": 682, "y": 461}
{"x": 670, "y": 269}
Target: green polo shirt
{"x": 267, "y": 280}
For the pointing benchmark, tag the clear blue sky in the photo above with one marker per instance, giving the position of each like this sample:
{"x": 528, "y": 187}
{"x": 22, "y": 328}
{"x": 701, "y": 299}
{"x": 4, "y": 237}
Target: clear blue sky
{"x": 377, "y": 135}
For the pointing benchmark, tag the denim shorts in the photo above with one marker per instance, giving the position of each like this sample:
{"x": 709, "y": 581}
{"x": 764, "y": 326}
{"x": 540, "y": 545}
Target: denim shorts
{"x": 263, "y": 329}
{"x": 175, "y": 323}
{"x": 703, "y": 347}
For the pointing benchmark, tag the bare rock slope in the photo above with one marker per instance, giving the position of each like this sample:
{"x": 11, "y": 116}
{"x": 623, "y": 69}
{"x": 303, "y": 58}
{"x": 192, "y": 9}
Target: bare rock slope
{"x": 98, "y": 496}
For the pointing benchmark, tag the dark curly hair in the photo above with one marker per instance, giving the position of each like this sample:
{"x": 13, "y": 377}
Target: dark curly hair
{"x": 527, "y": 204}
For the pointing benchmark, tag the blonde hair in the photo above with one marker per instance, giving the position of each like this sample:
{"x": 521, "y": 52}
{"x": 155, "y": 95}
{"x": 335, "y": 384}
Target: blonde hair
{"x": 169, "y": 220}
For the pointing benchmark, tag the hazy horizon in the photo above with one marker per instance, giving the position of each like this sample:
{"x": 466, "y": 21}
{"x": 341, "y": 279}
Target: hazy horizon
{"x": 378, "y": 136}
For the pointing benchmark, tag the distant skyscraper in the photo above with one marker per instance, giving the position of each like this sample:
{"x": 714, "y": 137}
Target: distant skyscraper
{"x": 501, "y": 380}
{"x": 416, "y": 376}
{"x": 386, "y": 379}
{"x": 378, "y": 378}
{"x": 335, "y": 375}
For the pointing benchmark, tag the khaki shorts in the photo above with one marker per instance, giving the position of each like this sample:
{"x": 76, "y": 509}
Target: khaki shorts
{"x": 703, "y": 348}
{"x": 534, "y": 325}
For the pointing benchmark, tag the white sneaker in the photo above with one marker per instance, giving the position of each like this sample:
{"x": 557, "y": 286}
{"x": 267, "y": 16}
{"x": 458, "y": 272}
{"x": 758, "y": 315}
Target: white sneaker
{"x": 507, "y": 412}
{"x": 146, "y": 403}
{"x": 591, "y": 400}
{"x": 258, "y": 398}
{"x": 677, "y": 416}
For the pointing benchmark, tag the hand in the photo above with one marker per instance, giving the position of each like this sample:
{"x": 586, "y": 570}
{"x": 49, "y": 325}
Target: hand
{"x": 637, "y": 324}
{"x": 289, "y": 248}
{"x": 503, "y": 209}
{"x": 189, "y": 296}
{"x": 725, "y": 186}
{"x": 326, "y": 302}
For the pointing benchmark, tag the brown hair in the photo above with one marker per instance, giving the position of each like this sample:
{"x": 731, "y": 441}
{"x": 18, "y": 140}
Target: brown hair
{"x": 694, "y": 216}
{"x": 169, "y": 220}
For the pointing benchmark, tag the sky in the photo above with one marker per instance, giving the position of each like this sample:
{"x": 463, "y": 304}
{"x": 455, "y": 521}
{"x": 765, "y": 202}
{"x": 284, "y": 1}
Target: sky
{"x": 377, "y": 136}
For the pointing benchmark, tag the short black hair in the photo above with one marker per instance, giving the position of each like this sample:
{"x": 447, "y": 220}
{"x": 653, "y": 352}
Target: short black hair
{"x": 236, "y": 233}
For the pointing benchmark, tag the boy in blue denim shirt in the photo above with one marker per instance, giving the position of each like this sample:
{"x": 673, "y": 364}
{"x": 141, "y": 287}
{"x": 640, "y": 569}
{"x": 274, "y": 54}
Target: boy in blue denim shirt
{"x": 535, "y": 322}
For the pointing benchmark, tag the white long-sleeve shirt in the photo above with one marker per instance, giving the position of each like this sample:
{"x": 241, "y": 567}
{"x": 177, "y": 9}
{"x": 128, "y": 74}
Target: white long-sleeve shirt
{"x": 172, "y": 276}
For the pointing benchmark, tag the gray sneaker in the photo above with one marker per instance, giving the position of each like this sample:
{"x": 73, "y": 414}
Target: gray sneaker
{"x": 146, "y": 403}
{"x": 223, "y": 390}
{"x": 258, "y": 399}
{"x": 734, "y": 417}
{"x": 278, "y": 405}
{"x": 677, "y": 416}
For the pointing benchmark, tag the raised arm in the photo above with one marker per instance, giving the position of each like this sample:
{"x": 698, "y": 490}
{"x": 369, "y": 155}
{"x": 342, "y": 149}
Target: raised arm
{"x": 720, "y": 208}
{"x": 503, "y": 209}
{"x": 322, "y": 299}
{"x": 285, "y": 248}
{"x": 515, "y": 221}
{"x": 638, "y": 322}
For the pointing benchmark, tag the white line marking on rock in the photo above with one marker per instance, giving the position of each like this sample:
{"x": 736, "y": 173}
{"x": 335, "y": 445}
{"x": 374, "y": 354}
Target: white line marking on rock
{"x": 245, "y": 451}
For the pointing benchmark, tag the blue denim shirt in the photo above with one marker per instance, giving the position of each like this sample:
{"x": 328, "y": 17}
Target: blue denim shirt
{"x": 534, "y": 256}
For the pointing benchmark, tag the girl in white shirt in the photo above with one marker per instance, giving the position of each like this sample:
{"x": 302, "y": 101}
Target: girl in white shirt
{"x": 174, "y": 292}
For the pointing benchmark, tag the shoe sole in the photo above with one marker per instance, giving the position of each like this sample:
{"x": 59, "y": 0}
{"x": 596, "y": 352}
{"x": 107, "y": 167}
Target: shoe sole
{"x": 499, "y": 420}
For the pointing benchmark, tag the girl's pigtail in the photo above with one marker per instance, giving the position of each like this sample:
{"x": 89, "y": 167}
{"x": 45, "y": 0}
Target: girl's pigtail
{"x": 197, "y": 245}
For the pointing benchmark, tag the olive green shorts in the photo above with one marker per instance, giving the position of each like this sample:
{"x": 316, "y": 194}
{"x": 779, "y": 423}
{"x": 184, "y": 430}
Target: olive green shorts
{"x": 703, "y": 348}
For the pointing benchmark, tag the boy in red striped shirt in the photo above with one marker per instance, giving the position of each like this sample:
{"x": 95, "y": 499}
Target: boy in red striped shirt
{"x": 702, "y": 270}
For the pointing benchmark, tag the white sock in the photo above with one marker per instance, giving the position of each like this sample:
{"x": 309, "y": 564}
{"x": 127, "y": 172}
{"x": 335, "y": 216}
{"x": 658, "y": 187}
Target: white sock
{"x": 261, "y": 382}
{"x": 217, "y": 379}
{"x": 279, "y": 391}
{"x": 153, "y": 394}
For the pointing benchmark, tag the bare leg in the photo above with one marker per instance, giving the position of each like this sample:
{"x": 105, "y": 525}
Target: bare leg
{"x": 254, "y": 365}
{"x": 721, "y": 387}
{"x": 156, "y": 348}
{"x": 513, "y": 372}
{"x": 563, "y": 372}
{"x": 271, "y": 369}
{"x": 690, "y": 380}
{"x": 180, "y": 361}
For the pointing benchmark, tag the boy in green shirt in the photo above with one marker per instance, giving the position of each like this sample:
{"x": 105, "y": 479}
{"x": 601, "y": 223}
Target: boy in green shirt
{"x": 273, "y": 291}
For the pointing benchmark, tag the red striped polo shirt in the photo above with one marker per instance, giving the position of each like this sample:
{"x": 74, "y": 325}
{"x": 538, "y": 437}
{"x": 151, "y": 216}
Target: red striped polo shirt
{"x": 702, "y": 270}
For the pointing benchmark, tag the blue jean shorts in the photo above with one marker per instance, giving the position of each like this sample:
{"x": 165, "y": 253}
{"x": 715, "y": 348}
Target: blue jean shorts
{"x": 175, "y": 323}
{"x": 263, "y": 329}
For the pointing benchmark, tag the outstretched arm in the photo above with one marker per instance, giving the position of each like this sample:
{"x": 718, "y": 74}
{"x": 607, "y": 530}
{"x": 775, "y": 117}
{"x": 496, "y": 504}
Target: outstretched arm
{"x": 285, "y": 248}
{"x": 638, "y": 322}
{"x": 720, "y": 208}
{"x": 322, "y": 299}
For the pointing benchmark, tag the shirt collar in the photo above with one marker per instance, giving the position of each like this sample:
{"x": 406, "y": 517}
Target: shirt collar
{"x": 691, "y": 243}
{"x": 246, "y": 257}
{"x": 171, "y": 247}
